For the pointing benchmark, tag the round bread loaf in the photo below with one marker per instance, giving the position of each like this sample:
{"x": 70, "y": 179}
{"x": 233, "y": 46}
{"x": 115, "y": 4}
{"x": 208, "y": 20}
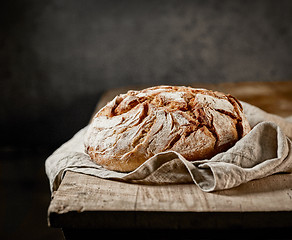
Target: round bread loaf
{"x": 197, "y": 123}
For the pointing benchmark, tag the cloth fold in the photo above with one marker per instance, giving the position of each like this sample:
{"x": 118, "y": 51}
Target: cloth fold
{"x": 264, "y": 151}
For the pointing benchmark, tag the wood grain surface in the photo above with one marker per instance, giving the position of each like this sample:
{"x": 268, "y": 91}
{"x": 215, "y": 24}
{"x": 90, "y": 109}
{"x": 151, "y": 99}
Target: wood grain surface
{"x": 84, "y": 201}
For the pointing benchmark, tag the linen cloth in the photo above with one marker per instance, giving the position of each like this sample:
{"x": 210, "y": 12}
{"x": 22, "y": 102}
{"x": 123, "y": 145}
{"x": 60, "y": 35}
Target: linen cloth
{"x": 264, "y": 151}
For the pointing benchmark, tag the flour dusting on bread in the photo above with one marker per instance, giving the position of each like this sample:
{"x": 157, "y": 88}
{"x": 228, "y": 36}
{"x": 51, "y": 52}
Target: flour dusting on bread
{"x": 197, "y": 123}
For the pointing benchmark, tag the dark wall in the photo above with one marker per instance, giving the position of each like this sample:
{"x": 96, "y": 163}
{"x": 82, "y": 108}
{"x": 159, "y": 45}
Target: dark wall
{"x": 57, "y": 57}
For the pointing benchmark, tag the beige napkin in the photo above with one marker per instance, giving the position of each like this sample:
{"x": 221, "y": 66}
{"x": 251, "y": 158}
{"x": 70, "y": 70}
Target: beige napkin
{"x": 264, "y": 151}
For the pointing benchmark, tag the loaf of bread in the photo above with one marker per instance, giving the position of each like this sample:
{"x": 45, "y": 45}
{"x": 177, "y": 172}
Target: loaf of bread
{"x": 197, "y": 123}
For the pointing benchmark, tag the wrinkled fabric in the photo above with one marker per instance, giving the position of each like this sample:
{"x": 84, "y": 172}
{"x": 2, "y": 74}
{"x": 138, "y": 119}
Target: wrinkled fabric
{"x": 264, "y": 151}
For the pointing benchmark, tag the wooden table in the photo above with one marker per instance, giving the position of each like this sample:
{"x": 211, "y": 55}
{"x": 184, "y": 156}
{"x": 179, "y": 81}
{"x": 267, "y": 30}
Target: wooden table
{"x": 85, "y": 205}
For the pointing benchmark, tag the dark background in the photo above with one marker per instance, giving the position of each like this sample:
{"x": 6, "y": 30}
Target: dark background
{"x": 57, "y": 57}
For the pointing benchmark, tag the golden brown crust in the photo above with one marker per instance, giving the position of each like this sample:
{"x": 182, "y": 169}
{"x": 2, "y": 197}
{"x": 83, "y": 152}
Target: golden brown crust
{"x": 197, "y": 123}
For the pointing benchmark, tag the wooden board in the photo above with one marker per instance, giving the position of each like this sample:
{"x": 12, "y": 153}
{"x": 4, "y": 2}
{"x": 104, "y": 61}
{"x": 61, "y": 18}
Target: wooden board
{"x": 88, "y": 202}
{"x": 110, "y": 202}
{"x": 79, "y": 192}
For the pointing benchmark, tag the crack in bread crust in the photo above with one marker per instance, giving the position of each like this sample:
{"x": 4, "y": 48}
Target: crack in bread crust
{"x": 197, "y": 123}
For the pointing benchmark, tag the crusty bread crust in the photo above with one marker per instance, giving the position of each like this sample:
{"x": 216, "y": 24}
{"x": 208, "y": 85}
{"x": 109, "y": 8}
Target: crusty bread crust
{"x": 197, "y": 123}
